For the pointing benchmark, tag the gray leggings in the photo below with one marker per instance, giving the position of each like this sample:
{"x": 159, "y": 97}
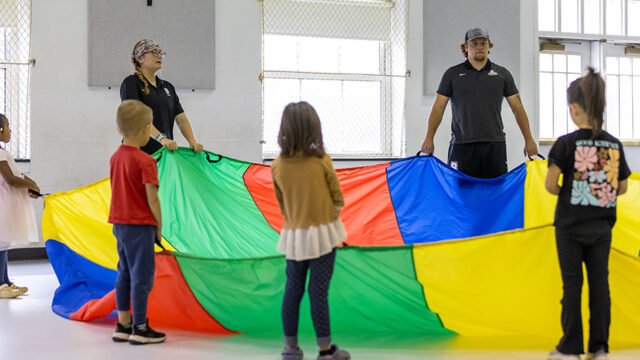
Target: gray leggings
{"x": 321, "y": 271}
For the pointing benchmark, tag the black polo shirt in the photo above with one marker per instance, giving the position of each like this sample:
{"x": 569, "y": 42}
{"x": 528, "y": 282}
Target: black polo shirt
{"x": 162, "y": 99}
{"x": 476, "y": 101}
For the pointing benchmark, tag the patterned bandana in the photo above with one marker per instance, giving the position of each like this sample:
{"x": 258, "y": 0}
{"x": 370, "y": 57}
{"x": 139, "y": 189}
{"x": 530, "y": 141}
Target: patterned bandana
{"x": 143, "y": 46}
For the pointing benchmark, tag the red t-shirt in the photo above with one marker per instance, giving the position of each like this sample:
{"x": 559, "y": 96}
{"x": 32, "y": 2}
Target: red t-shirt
{"x": 131, "y": 169}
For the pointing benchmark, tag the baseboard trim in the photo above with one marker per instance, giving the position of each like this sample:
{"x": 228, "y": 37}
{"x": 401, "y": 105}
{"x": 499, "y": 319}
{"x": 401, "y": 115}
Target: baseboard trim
{"x": 35, "y": 253}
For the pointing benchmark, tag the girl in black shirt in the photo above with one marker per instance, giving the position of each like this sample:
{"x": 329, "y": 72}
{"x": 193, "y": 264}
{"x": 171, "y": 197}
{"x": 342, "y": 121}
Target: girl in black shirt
{"x": 595, "y": 173}
{"x": 159, "y": 95}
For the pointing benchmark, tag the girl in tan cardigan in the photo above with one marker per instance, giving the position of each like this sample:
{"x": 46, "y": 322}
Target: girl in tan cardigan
{"x": 310, "y": 199}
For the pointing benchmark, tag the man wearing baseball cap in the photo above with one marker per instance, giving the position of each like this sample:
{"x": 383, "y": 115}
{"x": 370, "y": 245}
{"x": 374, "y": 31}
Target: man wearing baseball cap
{"x": 476, "y": 88}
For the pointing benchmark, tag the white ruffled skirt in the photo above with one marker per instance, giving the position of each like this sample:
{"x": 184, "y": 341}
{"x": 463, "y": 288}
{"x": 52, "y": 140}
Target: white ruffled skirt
{"x": 18, "y": 226}
{"x": 311, "y": 242}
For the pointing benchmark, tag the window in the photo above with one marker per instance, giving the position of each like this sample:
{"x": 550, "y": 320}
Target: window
{"x": 603, "y": 17}
{"x": 15, "y": 34}
{"x": 569, "y": 16}
{"x": 348, "y": 60}
{"x": 547, "y": 15}
{"x": 633, "y": 9}
{"x": 592, "y": 14}
{"x": 3, "y": 71}
{"x": 623, "y": 97}
{"x": 614, "y": 19}
{"x": 592, "y": 33}
{"x": 557, "y": 71}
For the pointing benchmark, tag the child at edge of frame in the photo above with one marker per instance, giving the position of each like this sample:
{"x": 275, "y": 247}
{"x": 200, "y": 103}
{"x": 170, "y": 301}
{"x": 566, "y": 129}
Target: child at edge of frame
{"x": 18, "y": 226}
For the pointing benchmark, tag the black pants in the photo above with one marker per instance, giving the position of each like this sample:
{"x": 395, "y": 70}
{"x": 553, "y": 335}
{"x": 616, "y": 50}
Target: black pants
{"x": 4, "y": 269}
{"x": 594, "y": 252}
{"x": 152, "y": 146}
{"x": 321, "y": 270}
{"x": 482, "y": 160}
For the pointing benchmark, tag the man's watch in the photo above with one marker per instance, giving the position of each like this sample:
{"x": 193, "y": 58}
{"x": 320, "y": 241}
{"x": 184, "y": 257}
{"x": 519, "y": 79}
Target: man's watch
{"x": 160, "y": 136}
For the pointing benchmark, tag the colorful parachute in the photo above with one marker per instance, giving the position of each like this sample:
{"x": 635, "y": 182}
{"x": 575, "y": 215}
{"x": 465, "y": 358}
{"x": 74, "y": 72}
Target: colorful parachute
{"x": 430, "y": 251}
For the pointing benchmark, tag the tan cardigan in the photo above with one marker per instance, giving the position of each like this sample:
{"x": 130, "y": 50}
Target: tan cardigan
{"x": 307, "y": 189}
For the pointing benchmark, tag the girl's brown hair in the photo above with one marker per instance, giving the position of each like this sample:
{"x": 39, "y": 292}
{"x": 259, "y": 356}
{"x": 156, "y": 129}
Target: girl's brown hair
{"x": 300, "y": 131}
{"x": 589, "y": 93}
{"x": 136, "y": 67}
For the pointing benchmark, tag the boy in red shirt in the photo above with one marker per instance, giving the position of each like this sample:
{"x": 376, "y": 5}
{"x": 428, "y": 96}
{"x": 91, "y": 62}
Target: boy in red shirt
{"x": 137, "y": 223}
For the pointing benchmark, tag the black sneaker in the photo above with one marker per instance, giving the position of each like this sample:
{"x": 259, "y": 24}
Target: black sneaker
{"x": 334, "y": 354}
{"x": 144, "y": 334}
{"x": 122, "y": 333}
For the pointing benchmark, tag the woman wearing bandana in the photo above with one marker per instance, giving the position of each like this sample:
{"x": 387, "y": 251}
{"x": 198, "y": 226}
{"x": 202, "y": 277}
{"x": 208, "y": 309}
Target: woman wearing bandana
{"x": 159, "y": 95}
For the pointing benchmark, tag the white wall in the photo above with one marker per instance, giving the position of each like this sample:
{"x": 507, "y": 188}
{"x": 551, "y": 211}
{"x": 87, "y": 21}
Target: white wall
{"x": 73, "y": 125}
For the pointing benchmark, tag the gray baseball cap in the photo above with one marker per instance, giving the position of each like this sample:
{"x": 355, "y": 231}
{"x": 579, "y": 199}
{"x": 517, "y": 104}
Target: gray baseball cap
{"x": 476, "y": 33}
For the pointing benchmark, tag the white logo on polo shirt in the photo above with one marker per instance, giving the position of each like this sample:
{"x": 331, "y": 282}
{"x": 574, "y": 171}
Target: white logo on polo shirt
{"x": 492, "y": 73}
{"x": 463, "y": 74}
{"x": 167, "y": 91}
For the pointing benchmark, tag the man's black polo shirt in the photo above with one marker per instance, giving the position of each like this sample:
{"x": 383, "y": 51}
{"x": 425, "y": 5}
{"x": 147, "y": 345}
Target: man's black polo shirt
{"x": 162, "y": 99}
{"x": 476, "y": 101}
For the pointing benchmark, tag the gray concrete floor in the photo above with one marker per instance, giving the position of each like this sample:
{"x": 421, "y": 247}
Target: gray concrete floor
{"x": 30, "y": 330}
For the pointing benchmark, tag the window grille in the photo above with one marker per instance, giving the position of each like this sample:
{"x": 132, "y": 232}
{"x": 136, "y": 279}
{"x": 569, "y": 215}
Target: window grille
{"x": 623, "y": 97}
{"x": 15, "y": 39}
{"x": 593, "y": 33}
{"x": 557, "y": 71}
{"x": 347, "y": 58}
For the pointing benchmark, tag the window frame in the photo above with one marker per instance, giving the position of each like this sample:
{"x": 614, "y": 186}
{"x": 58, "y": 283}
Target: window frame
{"x": 15, "y": 63}
{"x": 599, "y": 46}
{"x": 3, "y": 68}
{"x": 612, "y": 50}
{"x": 624, "y": 15}
{"x": 389, "y": 138}
{"x": 581, "y": 50}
